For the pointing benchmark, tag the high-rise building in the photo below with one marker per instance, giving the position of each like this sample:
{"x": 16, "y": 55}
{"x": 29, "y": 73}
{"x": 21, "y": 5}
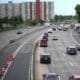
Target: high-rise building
{"x": 28, "y": 10}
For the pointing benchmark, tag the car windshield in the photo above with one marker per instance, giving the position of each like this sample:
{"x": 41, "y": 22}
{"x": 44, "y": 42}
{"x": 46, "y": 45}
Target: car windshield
{"x": 52, "y": 77}
{"x": 72, "y": 49}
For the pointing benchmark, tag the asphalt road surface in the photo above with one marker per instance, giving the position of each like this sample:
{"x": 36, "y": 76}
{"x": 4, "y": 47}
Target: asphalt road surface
{"x": 19, "y": 69}
{"x": 62, "y": 63}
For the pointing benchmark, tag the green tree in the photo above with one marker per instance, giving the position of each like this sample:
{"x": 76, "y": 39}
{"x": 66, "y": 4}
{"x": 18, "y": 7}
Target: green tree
{"x": 5, "y": 20}
{"x": 77, "y": 8}
{"x": 1, "y": 27}
{"x": 41, "y": 22}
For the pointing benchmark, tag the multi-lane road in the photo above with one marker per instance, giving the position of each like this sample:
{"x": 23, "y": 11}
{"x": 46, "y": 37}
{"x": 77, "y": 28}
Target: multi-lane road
{"x": 19, "y": 68}
{"x": 62, "y": 63}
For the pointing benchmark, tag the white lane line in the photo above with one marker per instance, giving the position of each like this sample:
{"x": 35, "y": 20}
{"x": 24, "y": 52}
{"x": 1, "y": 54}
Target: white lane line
{"x": 71, "y": 63}
{"x": 74, "y": 38}
{"x": 64, "y": 54}
{"x": 15, "y": 53}
{"x": 6, "y": 70}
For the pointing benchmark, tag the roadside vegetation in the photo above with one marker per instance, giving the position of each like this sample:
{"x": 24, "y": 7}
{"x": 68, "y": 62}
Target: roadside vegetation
{"x": 17, "y": 22}
{"x": 77, "y": 9}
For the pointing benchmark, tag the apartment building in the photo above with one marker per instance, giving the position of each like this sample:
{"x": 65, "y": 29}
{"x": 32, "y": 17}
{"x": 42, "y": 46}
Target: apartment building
{"x": 28, "y": 10}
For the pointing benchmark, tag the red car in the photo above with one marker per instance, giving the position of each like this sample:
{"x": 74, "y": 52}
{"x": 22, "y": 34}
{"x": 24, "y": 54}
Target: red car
{"x": 43, "y": 43}
{"x": 74, "y": 77}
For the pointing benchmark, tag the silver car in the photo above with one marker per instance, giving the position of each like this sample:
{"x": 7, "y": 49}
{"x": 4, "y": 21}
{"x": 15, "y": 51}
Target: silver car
{"x": 51, "y": 76}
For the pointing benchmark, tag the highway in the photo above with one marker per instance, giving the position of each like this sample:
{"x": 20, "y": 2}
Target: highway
{"x": 19, "y": 69}
{"x": 62, "y": 63}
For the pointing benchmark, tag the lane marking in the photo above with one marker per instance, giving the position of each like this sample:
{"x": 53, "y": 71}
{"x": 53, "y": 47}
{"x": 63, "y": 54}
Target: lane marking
{"x": 64, "y": 54}
{"x": 15, "y": 53}
{"x": 71, "y": 63}
{"x": 74, "y": 38}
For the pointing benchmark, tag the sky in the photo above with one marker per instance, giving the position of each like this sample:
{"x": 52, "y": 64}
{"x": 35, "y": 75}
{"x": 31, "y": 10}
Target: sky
{"x": 61, "y": 7}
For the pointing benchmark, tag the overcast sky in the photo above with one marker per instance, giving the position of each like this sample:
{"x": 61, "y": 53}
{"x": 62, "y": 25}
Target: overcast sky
{"x": 62, "y": 7}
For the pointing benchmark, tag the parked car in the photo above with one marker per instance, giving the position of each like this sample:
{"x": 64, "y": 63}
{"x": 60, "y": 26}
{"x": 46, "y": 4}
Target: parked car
{"x": 74, "y": 77}
{"x": 51, "y": 76}
{"x": 78, "y": 46}
{"x": 71, "y": 50}
{"x": 55, "y": 37}
{"x": 45, "y": 58}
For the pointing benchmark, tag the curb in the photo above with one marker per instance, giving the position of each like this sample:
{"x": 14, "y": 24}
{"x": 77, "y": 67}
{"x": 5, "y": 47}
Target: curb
{"x": 32, "y": 65}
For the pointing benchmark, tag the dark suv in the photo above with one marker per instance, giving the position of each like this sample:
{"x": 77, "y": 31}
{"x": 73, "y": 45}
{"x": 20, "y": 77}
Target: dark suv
{"x": 45, "y": 58}
{"x": 46, "y": 34}
{"x": 71, "y": 50}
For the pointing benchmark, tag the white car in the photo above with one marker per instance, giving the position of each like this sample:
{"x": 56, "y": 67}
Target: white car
{"x": 49, "y": 30}
{"x": 51, "y": 76}
{"x": 55, "y": 37}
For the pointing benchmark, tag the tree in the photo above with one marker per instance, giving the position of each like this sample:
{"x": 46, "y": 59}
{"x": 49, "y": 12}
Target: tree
{"x": 41, "y": 22}
{"x": 1, "y": 27}
{"x": 5, "y": 20}
{"x": 77, "y": 8}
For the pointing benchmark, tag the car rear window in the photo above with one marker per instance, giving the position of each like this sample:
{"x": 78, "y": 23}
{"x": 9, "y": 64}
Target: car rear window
{"x": 52, "y": 77}
{"x": 72, "y": 49}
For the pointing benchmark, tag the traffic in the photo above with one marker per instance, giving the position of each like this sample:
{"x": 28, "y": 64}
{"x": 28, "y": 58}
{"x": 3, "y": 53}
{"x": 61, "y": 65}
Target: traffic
{"x": 58, "y": 55}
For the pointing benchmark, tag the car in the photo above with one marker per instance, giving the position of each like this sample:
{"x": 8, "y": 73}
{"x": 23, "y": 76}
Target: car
{"x": 45, "y": 37}
{"x": 71, "y": 50}
{"x": 51, "y": 76}
{"x": 65, "y": 29}
{"x": 59, "y": 28}
{"x": 49, "y": 30}
{"x": 54, "y": 29}
{"x": 78, "y": 46}
{"x": 55, "y": 37}
{"x": 74, "y": 77}
{"x": 79, "y": 31}
{"x": 43, "y": 43}
{"x": 45, "y": 58}
{"x": 11, "y": 41}
{"x": 19, "y": 32}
